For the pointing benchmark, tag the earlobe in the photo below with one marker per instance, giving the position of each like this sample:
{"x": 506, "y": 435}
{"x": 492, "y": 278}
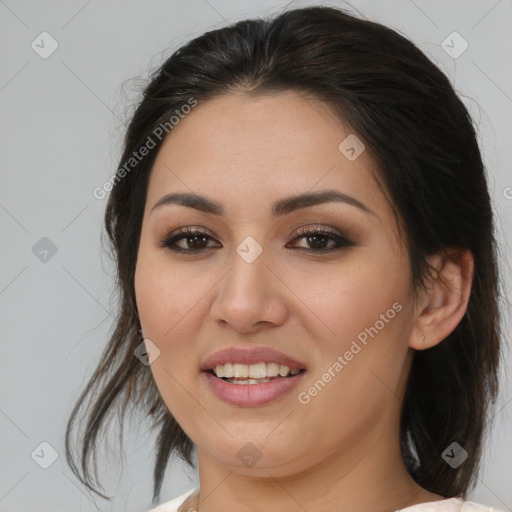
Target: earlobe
{"x": 444, "y": 301}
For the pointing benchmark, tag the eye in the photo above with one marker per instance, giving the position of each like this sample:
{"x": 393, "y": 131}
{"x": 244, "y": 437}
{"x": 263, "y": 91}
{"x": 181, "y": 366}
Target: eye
{"x": 192, "y": 237}
{"x": 317, "y": 238}
{"x": 196, "y": 240}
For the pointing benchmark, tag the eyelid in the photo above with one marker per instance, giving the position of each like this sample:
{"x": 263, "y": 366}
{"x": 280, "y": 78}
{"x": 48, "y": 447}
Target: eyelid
{"x": 304, "y": 230}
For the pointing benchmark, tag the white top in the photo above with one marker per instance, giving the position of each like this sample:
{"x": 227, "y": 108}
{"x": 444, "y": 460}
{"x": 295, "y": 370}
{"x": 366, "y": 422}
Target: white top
{"x": 448, "y": 505}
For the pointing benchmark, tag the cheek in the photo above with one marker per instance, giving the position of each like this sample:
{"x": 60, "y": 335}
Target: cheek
{"x": 350, "y": 296}
{"x": 172, "y": 302}
{"x": 365, "y": 319}
{"x": 163, "y": 301}
{"x": 150, "y": 294}
{"x": 164, "y": 294}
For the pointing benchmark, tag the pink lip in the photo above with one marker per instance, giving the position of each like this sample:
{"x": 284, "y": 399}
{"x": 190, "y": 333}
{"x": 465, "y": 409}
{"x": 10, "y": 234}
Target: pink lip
{"x": 250, "y": 355}
{"x": 250, "y": 395}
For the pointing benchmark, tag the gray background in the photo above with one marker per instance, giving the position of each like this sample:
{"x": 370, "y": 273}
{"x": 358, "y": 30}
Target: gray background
{"x": 61, "y": 127}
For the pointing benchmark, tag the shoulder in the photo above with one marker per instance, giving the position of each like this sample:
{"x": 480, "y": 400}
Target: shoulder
{"x": 450, "y": 505}
{"x": 173, "y": 505}
{"x": 470, "y": 506}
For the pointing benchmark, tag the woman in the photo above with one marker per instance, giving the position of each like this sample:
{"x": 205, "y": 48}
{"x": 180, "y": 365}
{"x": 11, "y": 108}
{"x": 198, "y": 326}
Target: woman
{"x": 307, "y": 266}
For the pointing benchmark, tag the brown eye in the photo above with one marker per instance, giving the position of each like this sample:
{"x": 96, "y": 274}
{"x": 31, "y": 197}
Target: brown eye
{"x": 195, "y": 239}
{"x": 318, "y": 238}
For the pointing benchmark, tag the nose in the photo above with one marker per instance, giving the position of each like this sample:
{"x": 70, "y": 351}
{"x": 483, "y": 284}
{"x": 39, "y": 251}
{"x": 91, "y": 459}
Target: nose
{"x": 250, "y": 296}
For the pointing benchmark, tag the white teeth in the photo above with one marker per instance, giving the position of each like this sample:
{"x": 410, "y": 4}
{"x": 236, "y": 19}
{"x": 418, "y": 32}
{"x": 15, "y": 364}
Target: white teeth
{"x": 241, "y": 370}
{"x": 272, "y": 370}
{"x": 254, "y": 371}
{"x": 257, "y": 371}
{"x": 228, "y": 370}
{"x": 284, "y": 371}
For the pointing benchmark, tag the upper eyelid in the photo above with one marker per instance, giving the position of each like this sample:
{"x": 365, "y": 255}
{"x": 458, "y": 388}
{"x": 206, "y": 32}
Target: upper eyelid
{"x": 183, "y": 231}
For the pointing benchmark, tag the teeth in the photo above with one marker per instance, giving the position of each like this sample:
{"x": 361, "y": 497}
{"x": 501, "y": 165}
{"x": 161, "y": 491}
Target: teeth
{"x": 241, "y": 370}
{"x": 227, "y": 370}
{"x": 249, "y": 381}
{"x": 253, "y": 371}
{"x": 272, "y": 370}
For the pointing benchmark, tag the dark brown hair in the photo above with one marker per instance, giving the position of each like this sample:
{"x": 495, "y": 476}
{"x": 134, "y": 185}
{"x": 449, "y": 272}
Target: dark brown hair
{"x": 429, "y": 165}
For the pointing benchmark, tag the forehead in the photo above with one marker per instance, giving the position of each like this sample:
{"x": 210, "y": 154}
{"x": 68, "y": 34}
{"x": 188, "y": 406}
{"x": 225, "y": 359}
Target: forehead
{"x": 245, "y": 150}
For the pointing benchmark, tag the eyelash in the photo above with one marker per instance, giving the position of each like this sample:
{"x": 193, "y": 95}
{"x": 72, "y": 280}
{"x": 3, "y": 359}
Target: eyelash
{"x": 183, "y": 233}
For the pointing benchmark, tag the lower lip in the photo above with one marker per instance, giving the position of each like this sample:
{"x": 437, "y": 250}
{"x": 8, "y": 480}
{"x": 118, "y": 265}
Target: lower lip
{"x": 251, "y": 395}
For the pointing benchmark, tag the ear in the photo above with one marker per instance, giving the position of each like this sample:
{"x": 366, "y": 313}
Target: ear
{"x": 444, "y": 301}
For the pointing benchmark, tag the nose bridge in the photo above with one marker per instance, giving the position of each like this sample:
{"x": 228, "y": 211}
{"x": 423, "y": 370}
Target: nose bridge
{"x": 249, "y": 264}
{"x": 246, "y": 296}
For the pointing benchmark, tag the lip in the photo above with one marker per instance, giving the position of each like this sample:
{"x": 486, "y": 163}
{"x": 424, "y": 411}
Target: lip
{"x": 250, "y": 395}
{"x": 250, "y": 355}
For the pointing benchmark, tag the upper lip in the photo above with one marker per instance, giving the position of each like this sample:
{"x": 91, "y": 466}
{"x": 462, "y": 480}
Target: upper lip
{"x": 250, "y": 355}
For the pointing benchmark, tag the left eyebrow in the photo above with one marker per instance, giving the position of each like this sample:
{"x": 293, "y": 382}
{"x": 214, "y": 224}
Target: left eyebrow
{"x": 280, "y": 208}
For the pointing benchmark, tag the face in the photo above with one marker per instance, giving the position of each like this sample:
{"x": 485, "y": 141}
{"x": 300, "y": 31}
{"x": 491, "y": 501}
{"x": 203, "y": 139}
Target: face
{"x": 326, "y": 284}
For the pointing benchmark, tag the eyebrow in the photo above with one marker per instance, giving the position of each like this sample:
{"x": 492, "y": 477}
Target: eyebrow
{"x": 280, "y": 208}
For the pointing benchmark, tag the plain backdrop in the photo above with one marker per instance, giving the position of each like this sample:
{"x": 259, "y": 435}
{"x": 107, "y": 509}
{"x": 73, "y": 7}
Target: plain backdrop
{"x": 62, "y": 121}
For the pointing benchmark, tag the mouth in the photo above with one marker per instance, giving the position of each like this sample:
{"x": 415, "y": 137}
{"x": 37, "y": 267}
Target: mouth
{"x": 246, "y": 391}
{"x": 251, "y": 376}
{"x": 260, "y": 373}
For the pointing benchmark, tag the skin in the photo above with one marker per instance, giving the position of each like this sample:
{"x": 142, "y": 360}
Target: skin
{"x": 341, "y": 450}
